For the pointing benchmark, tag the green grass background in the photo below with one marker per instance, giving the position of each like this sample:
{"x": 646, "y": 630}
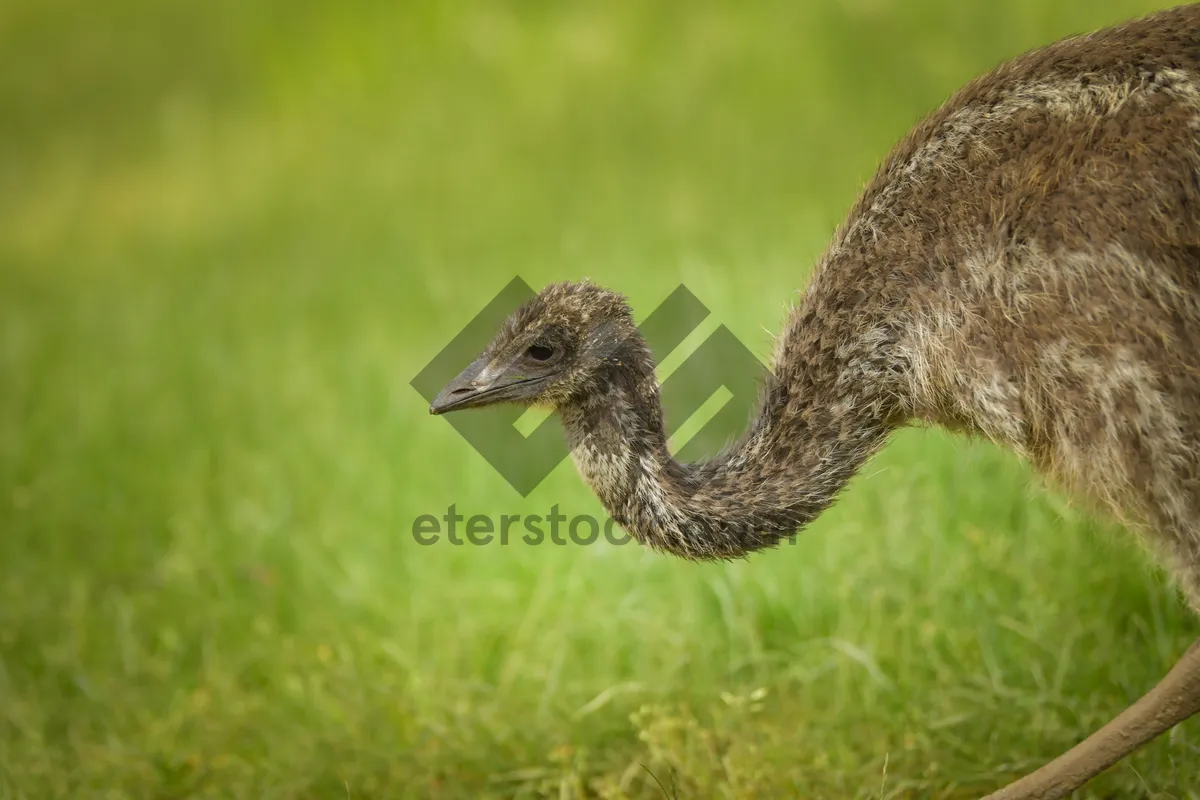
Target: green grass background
{"x": 230, "y": 235}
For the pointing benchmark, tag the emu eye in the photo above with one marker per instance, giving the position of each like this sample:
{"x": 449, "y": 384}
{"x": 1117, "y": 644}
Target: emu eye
{"x": 540, "y": 353}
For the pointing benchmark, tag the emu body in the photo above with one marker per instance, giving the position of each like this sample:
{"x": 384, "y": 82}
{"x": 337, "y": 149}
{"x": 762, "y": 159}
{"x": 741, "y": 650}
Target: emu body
{"x": 1025, "y": 266}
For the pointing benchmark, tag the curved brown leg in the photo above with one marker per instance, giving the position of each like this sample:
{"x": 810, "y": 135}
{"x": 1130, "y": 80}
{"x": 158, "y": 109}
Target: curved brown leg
{"x": 1174, "y": 699}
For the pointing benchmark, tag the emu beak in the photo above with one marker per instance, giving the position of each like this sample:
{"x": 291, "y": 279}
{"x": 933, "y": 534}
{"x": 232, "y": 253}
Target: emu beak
{"x": 472, "y": 383}
{"x": 480, "y": 384}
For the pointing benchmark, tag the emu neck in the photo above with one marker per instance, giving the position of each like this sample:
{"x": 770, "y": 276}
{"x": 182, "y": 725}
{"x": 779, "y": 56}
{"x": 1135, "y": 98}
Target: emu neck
{"x": 787, "y": 468}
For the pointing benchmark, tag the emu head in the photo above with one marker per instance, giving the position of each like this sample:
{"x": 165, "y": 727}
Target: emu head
{"x": 564, "y": 342}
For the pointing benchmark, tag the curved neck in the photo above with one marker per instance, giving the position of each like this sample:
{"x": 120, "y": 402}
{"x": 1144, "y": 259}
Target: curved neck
{"x": 808, "y": 439}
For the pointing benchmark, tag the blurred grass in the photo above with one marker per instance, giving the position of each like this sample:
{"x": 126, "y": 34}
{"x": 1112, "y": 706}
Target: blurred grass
{"x": 230, "y": 235}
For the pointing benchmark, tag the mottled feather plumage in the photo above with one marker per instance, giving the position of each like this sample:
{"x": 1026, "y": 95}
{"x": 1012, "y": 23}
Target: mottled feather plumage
{"x": 1025, "y": 266}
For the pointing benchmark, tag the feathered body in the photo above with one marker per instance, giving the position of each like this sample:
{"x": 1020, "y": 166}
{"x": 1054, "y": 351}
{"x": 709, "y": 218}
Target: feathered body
{"x": 1025, "y": 266}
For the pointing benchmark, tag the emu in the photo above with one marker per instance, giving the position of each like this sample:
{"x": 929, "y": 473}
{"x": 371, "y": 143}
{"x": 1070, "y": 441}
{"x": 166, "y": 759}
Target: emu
{"x": 1025, "y": 267}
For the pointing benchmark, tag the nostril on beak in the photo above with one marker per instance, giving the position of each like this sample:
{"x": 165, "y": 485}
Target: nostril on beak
{"x": 463, "y": 390}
